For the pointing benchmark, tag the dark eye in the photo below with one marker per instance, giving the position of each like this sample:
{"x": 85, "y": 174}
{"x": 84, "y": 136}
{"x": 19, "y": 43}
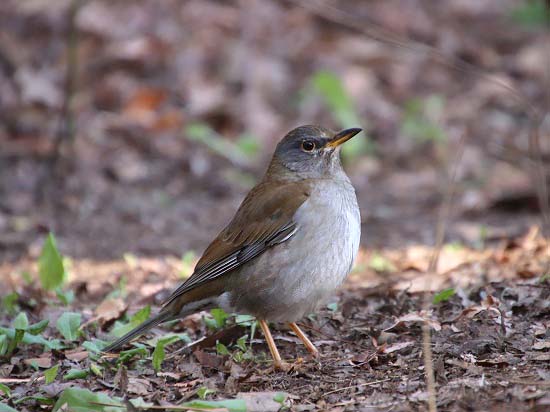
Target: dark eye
{"x": 308, "y": 146}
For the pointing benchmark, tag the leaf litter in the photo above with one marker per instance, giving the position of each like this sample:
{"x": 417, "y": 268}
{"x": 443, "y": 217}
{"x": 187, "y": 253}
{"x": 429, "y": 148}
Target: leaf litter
{"x": 490, "y": 337}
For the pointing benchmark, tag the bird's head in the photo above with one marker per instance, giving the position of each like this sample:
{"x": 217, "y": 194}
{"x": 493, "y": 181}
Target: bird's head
{"x": 310, "y": 152}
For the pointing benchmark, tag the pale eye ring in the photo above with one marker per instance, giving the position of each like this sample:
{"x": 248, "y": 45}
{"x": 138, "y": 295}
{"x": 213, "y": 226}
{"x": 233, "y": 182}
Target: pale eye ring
{"x": 308, "y": 146}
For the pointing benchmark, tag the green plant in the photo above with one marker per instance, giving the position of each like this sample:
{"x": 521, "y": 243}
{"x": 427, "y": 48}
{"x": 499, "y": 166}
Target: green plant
{"x": 531, "y": 13}
{"x": 68, "y": 325}
{"x": 420, "y": 120}
{"x": 51, "y": 269}
{"x": 84, "y": 400}
{"x": 187, "y": 264}
{"x": 138, "y": 318}
{"x": 330, "y": 88}
{"x": 443, "y": 296}
{"x": 380, "y": 263}
{"x": 51, "y": 374}
{"x": 158, "y": 353}
{"x": 239, "y": 152}
{"x": 203, "y": 392}
{"x": 218, "y": 320}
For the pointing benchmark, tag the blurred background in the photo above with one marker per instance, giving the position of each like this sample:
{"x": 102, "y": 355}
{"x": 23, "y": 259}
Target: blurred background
{"x": 138, "y": 126}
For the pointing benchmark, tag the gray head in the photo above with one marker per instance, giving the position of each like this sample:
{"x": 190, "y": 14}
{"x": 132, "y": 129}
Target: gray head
{"x": 310, "y": 152}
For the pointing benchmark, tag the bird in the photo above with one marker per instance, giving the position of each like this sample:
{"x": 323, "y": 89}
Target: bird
{"x": 291, "y": 243}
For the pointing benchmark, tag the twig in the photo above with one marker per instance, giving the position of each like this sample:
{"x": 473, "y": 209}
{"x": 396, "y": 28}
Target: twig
{"x": 444, "y": 213}
{"x": 540, "y": 178}
{"x": 66, "y": 131}
{"x": 356, "y": 386}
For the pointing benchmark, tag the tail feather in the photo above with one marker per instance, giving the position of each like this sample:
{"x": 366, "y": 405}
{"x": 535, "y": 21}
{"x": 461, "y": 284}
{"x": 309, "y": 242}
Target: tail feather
{"x": 141, "y": 329}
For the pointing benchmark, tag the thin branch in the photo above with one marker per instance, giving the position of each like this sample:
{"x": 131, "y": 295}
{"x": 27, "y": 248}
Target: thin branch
{"x": 66, "y": 131}
{"x": 443, "y": 217}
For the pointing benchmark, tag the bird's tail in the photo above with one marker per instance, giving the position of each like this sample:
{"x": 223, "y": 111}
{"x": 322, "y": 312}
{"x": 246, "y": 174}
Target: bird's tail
{"x": 144, "y": 327}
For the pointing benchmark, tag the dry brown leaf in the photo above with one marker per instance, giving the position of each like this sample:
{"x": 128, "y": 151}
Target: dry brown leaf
{"x": 397, "y": 346}
{"x": 76, "y": 355}
{"x": 415, "y": 317}
{"x": 43, "y": 362}
{"x": 110, "y": 309}
{"x": 139, "y": 386}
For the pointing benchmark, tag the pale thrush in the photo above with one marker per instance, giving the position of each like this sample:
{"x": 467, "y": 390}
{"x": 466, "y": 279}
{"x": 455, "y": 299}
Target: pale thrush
{"x": 291, "y": 243}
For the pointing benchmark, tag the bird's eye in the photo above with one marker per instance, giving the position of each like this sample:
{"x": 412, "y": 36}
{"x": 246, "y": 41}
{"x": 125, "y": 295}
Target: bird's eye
{"x": 308, "y": 146}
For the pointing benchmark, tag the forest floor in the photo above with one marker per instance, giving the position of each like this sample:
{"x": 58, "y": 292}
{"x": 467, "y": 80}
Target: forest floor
{"x": 133, "y": 199}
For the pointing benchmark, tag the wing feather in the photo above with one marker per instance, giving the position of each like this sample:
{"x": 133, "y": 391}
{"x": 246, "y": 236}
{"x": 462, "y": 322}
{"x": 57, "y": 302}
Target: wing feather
{"x": 264, "y": 219}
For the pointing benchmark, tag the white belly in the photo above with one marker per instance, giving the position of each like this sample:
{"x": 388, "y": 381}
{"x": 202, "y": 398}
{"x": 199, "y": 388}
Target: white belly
{"x": 305, "y": 270}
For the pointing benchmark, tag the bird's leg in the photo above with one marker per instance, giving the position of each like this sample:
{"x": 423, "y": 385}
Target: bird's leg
{"x": 271, "y": 344}
{"x": 302, "y": 336}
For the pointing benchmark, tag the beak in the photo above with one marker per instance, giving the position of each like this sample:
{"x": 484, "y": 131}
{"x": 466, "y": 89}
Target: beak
{"x": 342, "y": 137}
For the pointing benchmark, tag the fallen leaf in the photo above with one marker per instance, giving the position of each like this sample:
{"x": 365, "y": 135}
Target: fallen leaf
{"x": 397, "y": 346}
{"x": 76, "y": 355}
{"x": 138, "y": 386}
{"x": 208, "y": 360}
{"x": 541, "y": 345}
{"x": 110, "y": 309}
{"x": 44, "y": 362}
{"x": 415, "y": 317}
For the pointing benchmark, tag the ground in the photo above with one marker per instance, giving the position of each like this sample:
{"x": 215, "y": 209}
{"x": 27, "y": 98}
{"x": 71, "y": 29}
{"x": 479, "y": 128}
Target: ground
{"x": 138, "y": 154}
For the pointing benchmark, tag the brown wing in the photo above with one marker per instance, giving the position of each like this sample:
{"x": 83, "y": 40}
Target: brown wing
{"x": 264, "y": 218}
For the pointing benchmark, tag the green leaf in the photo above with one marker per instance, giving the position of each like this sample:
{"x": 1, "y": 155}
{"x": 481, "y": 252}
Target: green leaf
{"x": 50, "y": 265}
{"x": 248, "y": 144}
{"x": 202, "y": 133}
{"x": 96, "y": 369}
{"x": 420, "y": 120}
{"x": 4, "y": 344}
{"x": 76, "y": 374}
{"x": 140, "y": 403}
{"x": 5, "y": 390}
{"x": 220, "y": 316}
{"x": 65, "y": 297}
{"x": 380, "y": 264}
{"x": 232, "y": 405}
{"x": 17, "y": 338}
{"x": 42, "y": 400}
{"x": 280, "y": 397}
{"x": 6, "y": 408}
{"x": 138, "y": 318}
{"x": 51, "y": 374}
{"x": 241, "y": 343}
{"x": 187, "y": 264}
{"x": 531, "y": 13}
{"x": 21, "y": 321}
{"x": 83, "y": 400}
{"x": 126, "y": 355}
{"x": 68, "y": 324}
{"x": 333, "y": 306}
{"x": 203, "y": 392}
{"x": 331, "y": 89}
{"x": 158, "y": 353}
{"x": 29, "y": 339}
{"x": 222, "y": 349}
{"x": 245, "y": 320}
{"x": 38, "y": 328}
{"x": 94, "y": 346}
{"x": 179, "y": 336}
{"x": 443, "y": 296}
{"x": 9, "y": 302}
